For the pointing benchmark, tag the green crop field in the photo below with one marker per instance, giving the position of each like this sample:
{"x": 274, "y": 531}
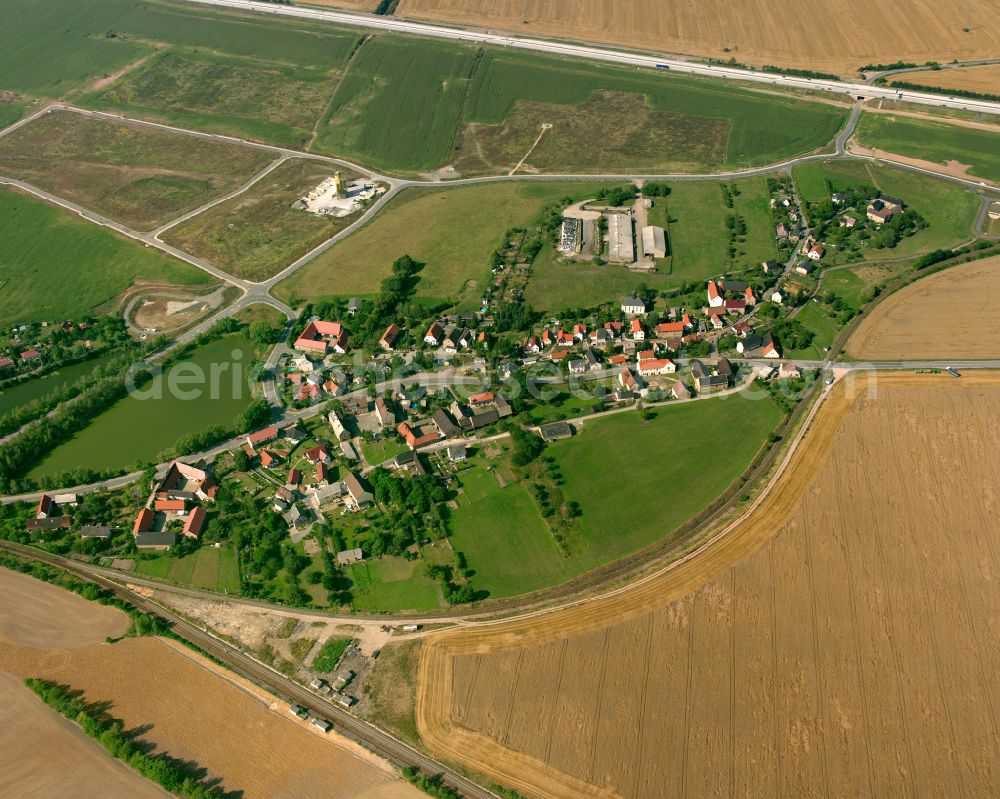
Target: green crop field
{"x": 10, "y": 113}
{"x": 939, "y": 142}
{"x": 637, "y": 481}
{"x": 949, "y": 210}
{"x": 136, "y": 175}
{"x": 53, "y": 48}
{"x": 257, "y": 233}
{"x": 276, "y": 104}
{"x": 399, "y": 104}
{"x": 56, "y": 266}
{"x": 209, "y": 568}
{"x": 452, "y": 231}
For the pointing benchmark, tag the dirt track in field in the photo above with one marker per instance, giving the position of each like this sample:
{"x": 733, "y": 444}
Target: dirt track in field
{"x": 951, "y": 314}
{"x": 840, "y": 641}
{"x": 831, "y": 36}
{"x": 983, "y": 79}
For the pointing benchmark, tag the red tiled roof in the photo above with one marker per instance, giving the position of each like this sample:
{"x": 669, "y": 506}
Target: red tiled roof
{"x": 45, "y": 504}
{"x": 195, "y": 522}
{"x": 477, "y": 399}
{"x": 713, "y": 290}
{"x": 266, "y": 434}
{"x": 170, "y": 505}
{"x": 144, "y": 521}
{"x": 390, "y": 335}
{"x": 294, "y": 477}
{"x": 30, "y": 355}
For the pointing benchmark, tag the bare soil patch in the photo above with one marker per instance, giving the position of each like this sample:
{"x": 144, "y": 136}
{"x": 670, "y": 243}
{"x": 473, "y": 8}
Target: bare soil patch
{"x": 984, "y": 79}
{"x": 952, "y": 167}
{"x": 839, "y": 641}
{"x": 37, "y": 614}
{"x": 840, "y": 36}
{"x": 951, "y": 314}
{"x": 44, "y": 756}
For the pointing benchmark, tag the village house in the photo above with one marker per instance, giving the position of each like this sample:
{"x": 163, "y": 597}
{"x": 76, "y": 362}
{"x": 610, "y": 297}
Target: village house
{"x": 637, "y": 332}
{"x": 385, "y": 416}
{"x": 359, "y": 493}
{"x": 680, "y": 391}
{"x": 269, "y": 459}
{"x": 417, "y": 437}
{"x": 674, "y": 329}
{"x": 715, "y": 298}
{"x": 434, "y": 335}
{"x": 627, "y": 380}
{"x": 339, "y": 431}
{"x": 656, "y": 366}
{"x": 758, "y": 347}
{"x": 804, "y": 268}
{"x": 633, "y": 305}
{"x": 262, "y": 436}
{"x": 317, "y": 454}
{"x": 816, "y": 252}
{"x": 322, "y": 337}
{"x": 389, "y": 337}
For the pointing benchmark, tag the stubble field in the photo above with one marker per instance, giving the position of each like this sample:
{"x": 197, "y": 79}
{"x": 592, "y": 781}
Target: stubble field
{"x": 951, "y": 314}
{"x": 136, "y": 175}
{"x": 840, "y": 641}
{"x": 178, "y": 702}
{"x": 983, "y": 79}
{"x": 756, "y": 33}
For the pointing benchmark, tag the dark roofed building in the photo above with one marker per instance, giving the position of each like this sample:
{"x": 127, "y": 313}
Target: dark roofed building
{"x": 555, "y": 430}
{"x": 50, "y": 523}
{"x": 95, "y": 531}
{"x": 444, "y": 423}
{"x": 155, "y": 538}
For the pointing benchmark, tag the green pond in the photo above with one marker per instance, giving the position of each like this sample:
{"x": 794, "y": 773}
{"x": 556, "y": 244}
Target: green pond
{"x": 208, "y": 387}
{"x": 23, "y": 393}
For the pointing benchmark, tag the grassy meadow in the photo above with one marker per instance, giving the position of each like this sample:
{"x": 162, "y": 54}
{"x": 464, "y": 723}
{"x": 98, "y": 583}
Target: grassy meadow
{"x": 54, "y": 265}
{"x": 452, "y": 231}
{"x": 928, "y": 140}
{"x": 133, "y": 174}
{"x": 276, "y": 104}
{"x": 208, "y": 568}
{"x": 637, "y": 481}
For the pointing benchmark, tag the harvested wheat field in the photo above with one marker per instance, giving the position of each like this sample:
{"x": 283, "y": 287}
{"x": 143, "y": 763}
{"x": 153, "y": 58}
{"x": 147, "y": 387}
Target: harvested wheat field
{"x": 983, "y": 79}
{"x": 954, "y": 313}
{"x": 75, "y": 767}
{"x": 842, "y": 640}
{"x": 780, "y": 32}
{"x": 240, "y": 735}
{"x": 40, "y": 615}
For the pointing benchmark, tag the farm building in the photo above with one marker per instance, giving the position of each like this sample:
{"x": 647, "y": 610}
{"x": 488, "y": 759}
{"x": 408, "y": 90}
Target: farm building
{"x": 555, "y": 430}
{"x": 654, "y": 242}
{"x": 621, "y": 242}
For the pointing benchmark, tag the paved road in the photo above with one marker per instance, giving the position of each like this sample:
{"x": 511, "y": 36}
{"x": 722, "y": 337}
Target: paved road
{"x": 346, "y": 723}
{"x": 454, "y": 33}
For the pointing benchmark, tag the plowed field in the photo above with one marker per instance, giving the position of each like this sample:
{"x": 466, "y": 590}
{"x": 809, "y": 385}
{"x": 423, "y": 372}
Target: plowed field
{"x": 841, "y": 640}
{"x": 832, "y": 36}
{"x": 951, "y": 314}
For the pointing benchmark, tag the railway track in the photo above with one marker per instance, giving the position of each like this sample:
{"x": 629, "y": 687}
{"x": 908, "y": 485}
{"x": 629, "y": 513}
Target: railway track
{"x": 376, "y": 740}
